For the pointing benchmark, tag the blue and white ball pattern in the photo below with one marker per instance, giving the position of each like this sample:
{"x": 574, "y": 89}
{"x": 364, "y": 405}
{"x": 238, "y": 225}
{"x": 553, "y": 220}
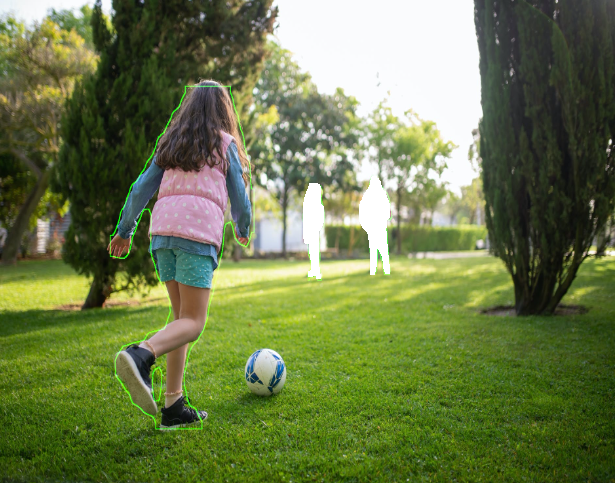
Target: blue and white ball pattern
{"x": 265, "y": 372}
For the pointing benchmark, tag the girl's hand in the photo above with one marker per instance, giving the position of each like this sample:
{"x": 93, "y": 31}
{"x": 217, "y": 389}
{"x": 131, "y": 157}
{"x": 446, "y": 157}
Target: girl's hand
{"x": 118, "y": 245}
{"x": 242, "y": 240}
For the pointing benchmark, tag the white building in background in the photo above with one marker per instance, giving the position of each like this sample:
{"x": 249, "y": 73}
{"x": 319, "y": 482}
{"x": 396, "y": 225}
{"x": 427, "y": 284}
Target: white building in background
{"x": 268, "y": 236}
{"x": 268, "y": 228}
{"x": 440, "y": 219}
{"x": 45, "y": 231}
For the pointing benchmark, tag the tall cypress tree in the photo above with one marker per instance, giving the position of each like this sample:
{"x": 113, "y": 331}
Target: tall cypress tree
{"x": 115, "y": 117}
{"x": 546, "y": 138}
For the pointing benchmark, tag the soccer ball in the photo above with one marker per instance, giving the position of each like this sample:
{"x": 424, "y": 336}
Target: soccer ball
{"x": 265, "y": 372}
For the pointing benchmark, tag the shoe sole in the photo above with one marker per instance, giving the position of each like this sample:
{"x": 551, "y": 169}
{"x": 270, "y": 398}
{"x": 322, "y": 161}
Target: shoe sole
{"x": 139, "y": 392}
{"x": 184, "y": 425}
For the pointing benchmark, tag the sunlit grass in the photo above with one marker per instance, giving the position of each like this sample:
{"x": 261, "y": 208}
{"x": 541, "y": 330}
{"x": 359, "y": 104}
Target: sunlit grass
{"x": 390, "y": 378}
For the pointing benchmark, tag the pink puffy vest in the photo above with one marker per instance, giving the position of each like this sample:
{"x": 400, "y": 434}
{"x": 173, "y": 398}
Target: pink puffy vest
{"x": 191, "y": 204}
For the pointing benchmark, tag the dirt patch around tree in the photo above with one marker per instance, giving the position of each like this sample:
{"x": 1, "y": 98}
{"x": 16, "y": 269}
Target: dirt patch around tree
{"x": 509, "y": 310}
{"x": 111, "y": 303}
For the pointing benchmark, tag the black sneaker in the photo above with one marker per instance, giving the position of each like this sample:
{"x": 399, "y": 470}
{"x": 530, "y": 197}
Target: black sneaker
{"x": 180, "y": 415}
{"x": 133, "y": 366}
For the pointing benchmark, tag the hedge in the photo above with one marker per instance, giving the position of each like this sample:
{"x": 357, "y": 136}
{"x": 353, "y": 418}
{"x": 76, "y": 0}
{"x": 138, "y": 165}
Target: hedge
{"x": 414, "y": 238}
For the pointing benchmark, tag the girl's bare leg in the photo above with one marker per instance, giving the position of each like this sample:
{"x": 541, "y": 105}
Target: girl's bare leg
{"x": 190, "y": 311}
{"x": 189, "y": 325}
{"x": 176, "y": 359}
{"x": 176, "y": 363}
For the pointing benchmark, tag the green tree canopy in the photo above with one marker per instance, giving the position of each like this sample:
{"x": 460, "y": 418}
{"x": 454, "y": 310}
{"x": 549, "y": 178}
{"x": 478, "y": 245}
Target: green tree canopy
{"x": 39, "y": 68}
{"x": 379, "y": 129}
{"x": 81, "y": 24}
{"x": 451, "y": 206}
{"x": 16, "y": 181}
{"x": 425, "y": 197}
{"x": 411, "y": 155}
{"x": 313, "y": 138}
{"x": 116, "y": 116}
{"x": 472, "y": 199}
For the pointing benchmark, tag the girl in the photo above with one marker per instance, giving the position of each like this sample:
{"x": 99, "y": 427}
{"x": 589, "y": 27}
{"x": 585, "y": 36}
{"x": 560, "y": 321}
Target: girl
{"x": 199, "y": 163}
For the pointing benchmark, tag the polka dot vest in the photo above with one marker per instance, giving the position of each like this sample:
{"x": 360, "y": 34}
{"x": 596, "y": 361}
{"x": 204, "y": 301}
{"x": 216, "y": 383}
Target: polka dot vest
{"x": 191, "y": 204}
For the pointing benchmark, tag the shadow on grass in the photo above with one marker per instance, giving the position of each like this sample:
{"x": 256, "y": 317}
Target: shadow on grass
{"x": 20, "y": 322}
{"x": 462, "y": 280}
{"x": 113, "y": 303}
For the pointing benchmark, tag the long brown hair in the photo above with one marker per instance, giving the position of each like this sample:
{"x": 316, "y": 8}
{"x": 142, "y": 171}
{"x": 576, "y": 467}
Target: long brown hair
{"x": 194, "y": 133}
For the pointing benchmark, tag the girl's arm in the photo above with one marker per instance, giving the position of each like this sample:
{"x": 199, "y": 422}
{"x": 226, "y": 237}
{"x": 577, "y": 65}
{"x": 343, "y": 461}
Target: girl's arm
{"x": 241, "y": 211}
{"x": 142, "y": 191}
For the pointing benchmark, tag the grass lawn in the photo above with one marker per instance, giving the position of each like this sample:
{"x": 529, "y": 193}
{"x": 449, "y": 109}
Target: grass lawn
{"x": 390, "y": 379}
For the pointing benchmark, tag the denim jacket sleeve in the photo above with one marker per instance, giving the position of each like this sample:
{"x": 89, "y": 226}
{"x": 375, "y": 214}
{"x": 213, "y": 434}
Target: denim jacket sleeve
{"x": 241, "y": 211}
{"x": 142, "y": 191}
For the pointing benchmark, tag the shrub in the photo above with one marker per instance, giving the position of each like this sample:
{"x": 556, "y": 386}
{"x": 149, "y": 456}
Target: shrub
{"x": 415, "y": 238}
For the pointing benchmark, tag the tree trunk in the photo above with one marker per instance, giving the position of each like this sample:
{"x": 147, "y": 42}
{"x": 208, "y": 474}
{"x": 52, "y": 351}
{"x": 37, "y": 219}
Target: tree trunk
{"x": 351, "y": 241}
{"x": 13, "y": 239}
{"x": 544, "y": 297}
{"x": 100, "y": 290}
{"x": 526, "y": 304}
{"x": 399, "y": 221}
{"x": 603, "y": 238}
{"x": 236, "y": 253}
{"x": 337, "y": 240}
{"x": 284, "y": 206}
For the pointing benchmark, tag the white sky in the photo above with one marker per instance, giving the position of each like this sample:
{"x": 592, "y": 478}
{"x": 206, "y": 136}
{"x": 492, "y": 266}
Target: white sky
{"x": 424, "y": 53}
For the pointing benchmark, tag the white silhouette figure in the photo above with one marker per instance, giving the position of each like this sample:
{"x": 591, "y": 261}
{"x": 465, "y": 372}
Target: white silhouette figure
{"x": 313, "y": 221}
{"x": 374, "y": 212}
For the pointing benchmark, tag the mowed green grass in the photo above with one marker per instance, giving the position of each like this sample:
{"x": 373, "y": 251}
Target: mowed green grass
{"x": 390, "y": 378}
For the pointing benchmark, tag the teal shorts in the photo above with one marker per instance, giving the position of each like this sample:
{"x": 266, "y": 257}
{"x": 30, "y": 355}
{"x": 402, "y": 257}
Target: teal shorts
{"x": 185, "y": 268}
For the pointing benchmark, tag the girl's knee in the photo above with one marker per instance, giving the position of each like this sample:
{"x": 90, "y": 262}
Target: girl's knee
{"x": 199, "y": 324}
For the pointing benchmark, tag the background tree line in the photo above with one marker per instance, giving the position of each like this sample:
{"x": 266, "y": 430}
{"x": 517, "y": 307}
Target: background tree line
{"x": 69, "y": 120}
{"x": 85, "y": 98}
